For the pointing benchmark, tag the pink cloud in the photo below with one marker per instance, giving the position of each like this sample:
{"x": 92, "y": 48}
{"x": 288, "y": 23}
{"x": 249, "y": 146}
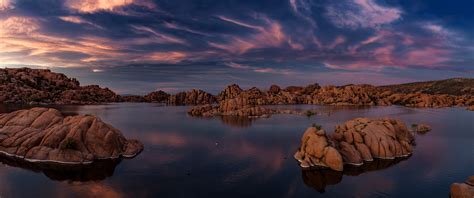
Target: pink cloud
{"x": 269, "y": 35}
{"x": 427, "y": 57}
{"x": 91, "y": 6}
{"x": 339, "y": 40}
{"x": 6, "y": 5}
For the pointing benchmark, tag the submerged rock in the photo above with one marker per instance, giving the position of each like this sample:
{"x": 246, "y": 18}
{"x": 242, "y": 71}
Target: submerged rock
{"x": 463, "y": 190}
{"x": 422, "y": 128}
{"x": 45, "y": 135}
{"x": 354, "y": 142}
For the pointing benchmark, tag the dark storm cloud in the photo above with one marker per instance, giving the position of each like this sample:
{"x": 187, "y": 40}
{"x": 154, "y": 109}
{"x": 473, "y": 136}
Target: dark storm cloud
{"x": 210, "y": 43}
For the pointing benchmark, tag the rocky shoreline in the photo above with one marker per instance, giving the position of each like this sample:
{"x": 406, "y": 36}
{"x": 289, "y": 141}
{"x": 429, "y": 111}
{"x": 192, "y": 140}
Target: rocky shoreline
{"x": 41, "y": 86}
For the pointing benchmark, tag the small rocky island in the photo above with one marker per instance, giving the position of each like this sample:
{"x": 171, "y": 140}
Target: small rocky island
{"x": 354, "y": 142}
{"x": 45, "y": 135}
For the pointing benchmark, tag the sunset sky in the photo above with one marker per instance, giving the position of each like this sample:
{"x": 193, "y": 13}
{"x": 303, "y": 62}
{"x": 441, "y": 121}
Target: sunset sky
{"x": 137, "y": 46}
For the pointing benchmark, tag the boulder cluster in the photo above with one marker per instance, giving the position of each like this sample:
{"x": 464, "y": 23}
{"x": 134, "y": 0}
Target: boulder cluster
{"x": 355, "y": 142}
{"x": 26, "y": 86}
{"x": 36, "y": 86}
{"x": 45, "y": 135}
{"x": 463, "y": 190}
{"x": 235, "y": 101}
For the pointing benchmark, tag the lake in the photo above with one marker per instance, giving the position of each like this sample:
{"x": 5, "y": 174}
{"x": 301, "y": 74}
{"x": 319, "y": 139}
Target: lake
{"x": 186, "y": 156}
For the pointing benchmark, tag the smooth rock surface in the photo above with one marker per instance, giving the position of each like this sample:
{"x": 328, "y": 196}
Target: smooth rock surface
{"x": 45, "y": 135}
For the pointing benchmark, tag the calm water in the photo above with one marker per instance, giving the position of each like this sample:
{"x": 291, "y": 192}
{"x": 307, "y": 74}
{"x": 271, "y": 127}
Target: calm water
{"x": 197, "y": 157}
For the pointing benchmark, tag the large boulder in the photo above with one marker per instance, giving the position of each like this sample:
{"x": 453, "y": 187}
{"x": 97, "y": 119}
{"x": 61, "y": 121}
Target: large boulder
{"x": 363, "y": 139}
{"x": 45, "y": 135}
{"x": 317, "y": 150}
{"x": 463, "y": 190}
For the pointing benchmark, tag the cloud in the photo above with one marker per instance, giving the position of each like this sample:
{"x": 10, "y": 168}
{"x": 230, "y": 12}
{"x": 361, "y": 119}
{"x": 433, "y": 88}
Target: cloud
{"x": 91, "y": 6}
{"x": 166, "y": 57}
{"x": 78, "y": 20}
{"x": 258, "y": 69}
{"x": 269, "y": 35}
{"x": 160, "y": 37}
{"x": 6, "y": 5}
{"x": 361, "y": 14}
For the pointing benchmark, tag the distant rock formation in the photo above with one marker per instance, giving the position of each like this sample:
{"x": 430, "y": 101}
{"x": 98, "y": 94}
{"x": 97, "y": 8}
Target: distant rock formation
{"x": 41, "y": 86}
{"x": 45, "y": 135}
{"x": 453, "y": 86}
{"x": 354, "y": 142}
{"x": 193, "y": 97}
{"x": 157, "y": 97}
{"x": 463, "y": 190}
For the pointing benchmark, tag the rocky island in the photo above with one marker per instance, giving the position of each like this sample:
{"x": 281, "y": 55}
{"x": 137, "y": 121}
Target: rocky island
{"x": 45, "y": 135}
{"x": 355, "y": 142}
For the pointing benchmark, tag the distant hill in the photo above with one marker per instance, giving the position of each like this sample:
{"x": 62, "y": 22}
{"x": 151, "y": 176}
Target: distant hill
{"x": 452, "y": 86}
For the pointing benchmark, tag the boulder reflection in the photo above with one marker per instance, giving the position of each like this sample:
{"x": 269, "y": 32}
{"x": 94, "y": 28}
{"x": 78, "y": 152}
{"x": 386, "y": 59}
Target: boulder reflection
{"x": 98, "y": 170}
{"x": 237, "y": 121}
{"x": 322, "y": 177}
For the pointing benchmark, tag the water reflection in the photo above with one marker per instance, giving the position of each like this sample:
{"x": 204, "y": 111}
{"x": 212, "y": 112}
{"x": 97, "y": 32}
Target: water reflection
{"x": 322, "y": 177}
{"x": 237, "y": 121}
{"x": 99, "y": 170}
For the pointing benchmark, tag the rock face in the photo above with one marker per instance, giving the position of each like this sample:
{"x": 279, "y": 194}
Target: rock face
{"x": 317, "y": 150}
{"x": 229, "y": 92}
{"x": 363, "y": 139}
{"x": 463, "y": 190}
{"x": 354, "y": 142}
{"x": 45, "y": 135}
{"x": 193, "y": 97}
{"x": 25, "y": 86}
{"x": 157, "y": 96}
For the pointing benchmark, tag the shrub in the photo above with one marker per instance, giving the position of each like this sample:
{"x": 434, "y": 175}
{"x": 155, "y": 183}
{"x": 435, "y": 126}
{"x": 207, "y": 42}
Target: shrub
{"x": 317, "y": 126}
{"x": 309, "y": 113}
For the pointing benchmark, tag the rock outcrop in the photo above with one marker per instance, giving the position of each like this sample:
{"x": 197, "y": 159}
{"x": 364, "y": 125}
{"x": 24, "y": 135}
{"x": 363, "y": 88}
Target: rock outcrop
{"x": 421, "y": 128}
{"x": 363, "y": 139}
{"x": 463, "y": 190}
{"x": 229, "y": 92}
{"x": 45, "y": 135}
{"x": 34, "y": 86}
{"x": 193, "y": 97}
{"x": 317, "y": 150}
{"x": 157, "y": 96}
{"x": 354, "y": 142}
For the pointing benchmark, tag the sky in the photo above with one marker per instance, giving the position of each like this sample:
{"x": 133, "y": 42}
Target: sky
{"x": 138, "y": 46}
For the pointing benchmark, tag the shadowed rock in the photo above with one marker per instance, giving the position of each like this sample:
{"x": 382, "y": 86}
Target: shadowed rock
{"x": 45, "y": 135}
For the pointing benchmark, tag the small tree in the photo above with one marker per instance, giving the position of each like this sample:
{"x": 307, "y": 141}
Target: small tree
{"x": 317, "y": 126}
